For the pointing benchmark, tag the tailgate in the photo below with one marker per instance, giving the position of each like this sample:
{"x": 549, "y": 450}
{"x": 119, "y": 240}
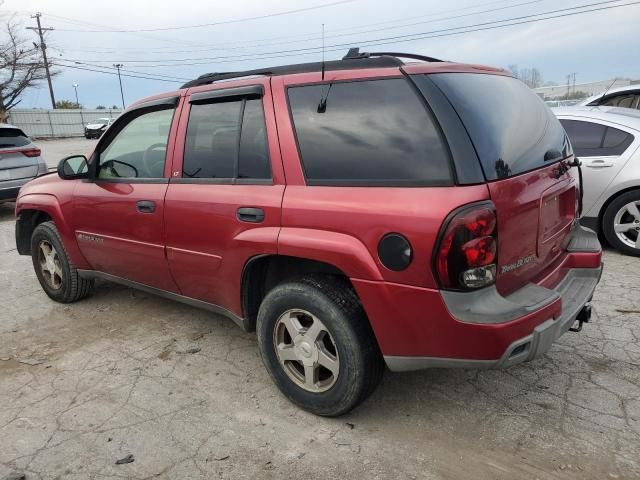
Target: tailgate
{"x": 536, "y": 214}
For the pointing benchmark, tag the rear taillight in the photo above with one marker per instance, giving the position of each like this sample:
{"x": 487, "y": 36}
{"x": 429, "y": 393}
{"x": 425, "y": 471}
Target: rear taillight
{"x": 467, "y": 254}
{"x": 32, "y": 152}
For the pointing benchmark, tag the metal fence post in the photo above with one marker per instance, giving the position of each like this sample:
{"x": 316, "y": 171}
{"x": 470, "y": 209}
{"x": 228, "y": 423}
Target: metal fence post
{"x": 53, "y": 134}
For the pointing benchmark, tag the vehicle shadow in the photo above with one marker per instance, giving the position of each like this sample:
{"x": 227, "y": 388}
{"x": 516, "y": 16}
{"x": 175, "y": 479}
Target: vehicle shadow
{"x": 7, "y": 211}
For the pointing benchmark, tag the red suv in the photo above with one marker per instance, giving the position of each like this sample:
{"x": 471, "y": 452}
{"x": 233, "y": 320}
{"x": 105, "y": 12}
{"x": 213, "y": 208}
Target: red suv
{"x": 356, "y": 214}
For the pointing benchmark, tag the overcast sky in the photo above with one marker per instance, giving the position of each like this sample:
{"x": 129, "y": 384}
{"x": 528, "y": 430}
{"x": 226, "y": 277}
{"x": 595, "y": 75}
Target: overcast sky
{"x": 596, "y": 46}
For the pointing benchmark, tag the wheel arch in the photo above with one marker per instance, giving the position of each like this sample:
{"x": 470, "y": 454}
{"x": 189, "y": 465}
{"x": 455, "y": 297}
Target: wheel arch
{"x": 261, "y": 273}
{"x": 26, "y": 223}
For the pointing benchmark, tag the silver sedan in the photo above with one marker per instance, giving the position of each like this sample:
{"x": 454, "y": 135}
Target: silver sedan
{"x": 607, "y": 140}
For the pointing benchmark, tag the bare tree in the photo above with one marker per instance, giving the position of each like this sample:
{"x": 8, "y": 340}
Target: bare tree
{"x": 21, "y": 65}
{"x": 531, "y": 76}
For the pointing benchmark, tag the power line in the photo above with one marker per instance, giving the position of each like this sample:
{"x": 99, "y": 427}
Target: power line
{"x": 170, "y": 77}
{"x": 224, "y": 22}
{"x": 313, "y": 36}
{"x": 114, "y": 73}
{"x": 316, "y": 38}
{"x": 40, "y": 29}
{"x": 524, "y": 19}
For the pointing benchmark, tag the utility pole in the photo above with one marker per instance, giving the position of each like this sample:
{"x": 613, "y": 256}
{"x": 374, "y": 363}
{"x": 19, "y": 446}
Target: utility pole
{"x": 568, "y": 85}
{"x": 75, "y": 87}
{"x": 43, "y": 47}
{"x": 574, "y": 82}
{"x": 119, "y": 66}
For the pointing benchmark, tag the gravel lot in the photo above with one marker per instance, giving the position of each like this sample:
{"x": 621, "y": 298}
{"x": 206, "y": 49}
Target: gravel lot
{"x": 116, "y": 379}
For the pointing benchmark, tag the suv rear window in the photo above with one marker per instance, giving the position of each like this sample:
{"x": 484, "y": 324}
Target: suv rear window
{"x": 510, "y": 126}
{"x": 13, "y": 137}
{"x": 373, "y": 132}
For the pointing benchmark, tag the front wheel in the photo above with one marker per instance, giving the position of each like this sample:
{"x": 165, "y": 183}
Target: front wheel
{"x": 621, "y": 223}
{"x": 56, "y": 274}
{"x": 318, "y": 346}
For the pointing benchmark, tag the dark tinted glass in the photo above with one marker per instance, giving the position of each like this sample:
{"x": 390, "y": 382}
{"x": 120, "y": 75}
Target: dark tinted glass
{"x": 616, "y": 140}
{"x": 211, "y": 148}
{"x": 510, "y": 126}
{"x": 370, "y": 133}
{"x": 594, "y": 140}
{"x": 586, "y": 137}
{"x": 254, "y": 157}
{"x": 13, "y": 137}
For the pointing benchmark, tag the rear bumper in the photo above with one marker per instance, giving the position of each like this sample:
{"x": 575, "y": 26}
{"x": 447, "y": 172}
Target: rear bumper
{"x": 422, "y": 328}
{"x": 575, "y": 292}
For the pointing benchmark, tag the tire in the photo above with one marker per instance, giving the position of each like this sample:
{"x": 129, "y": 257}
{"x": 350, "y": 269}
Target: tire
{"x": 620, "y": 211}
{"x": 66, "y": 285}
{"x": 348, "y": 339}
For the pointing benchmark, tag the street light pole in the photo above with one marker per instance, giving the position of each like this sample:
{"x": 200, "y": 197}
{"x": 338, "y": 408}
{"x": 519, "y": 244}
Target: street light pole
{"x": 75, "y": 87}
{"x": 119, "y": 66}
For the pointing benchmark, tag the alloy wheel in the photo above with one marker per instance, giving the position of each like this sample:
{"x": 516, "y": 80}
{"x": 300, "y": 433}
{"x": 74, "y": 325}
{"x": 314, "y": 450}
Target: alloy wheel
{"x": 306, "y": 351}
{"x": 626, "y": 224}
{"x": 50, "y": 265}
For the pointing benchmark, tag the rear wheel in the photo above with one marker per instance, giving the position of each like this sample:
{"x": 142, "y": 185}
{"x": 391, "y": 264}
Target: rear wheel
{"x": 621, "y": 223}
{"x": 318, "y": 346}
{"x": 56, "y": 274}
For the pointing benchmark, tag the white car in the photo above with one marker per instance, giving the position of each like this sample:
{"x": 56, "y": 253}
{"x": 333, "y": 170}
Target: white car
{"x": 607, "y": 141}
{"x": 627, "y": 97}
{"x": 97, "y": 127}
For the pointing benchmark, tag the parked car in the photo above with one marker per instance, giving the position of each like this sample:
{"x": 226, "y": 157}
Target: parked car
{"x": 627, "y": 97}
{"x": 20, "y": 161}
{"x": 607, "y": 140}
{"x": 355, "y": 213}
{"x": 97, "y": 127}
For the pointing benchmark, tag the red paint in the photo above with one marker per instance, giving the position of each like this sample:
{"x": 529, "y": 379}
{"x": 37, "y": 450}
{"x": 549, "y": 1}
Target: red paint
{"x": 194, "y": 244}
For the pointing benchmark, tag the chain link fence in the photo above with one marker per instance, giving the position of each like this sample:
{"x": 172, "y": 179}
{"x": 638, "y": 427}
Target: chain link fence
{"x": 39, "y": 123}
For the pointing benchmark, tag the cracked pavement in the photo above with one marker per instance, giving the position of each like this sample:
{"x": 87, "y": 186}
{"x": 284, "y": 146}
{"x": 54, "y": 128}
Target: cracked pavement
{"x": 117, "y": 377}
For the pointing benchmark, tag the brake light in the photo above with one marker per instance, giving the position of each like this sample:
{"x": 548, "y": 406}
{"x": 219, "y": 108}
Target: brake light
{"x": 32, "y": 152}
{"x": 467, "y": 254}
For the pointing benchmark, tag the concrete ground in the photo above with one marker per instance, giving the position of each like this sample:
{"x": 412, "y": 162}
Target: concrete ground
{"x": 53, "y": 150}
{"x": 112, "y": 376}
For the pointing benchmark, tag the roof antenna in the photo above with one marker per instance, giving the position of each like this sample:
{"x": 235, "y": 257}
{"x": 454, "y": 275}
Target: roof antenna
{"x": 607, "y": 90}
{"x": 322, "y": 106}
{"x": 323, "y": 52}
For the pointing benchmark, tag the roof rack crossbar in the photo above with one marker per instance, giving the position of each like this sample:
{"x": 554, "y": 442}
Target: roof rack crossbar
{"x": 354, "y": 53}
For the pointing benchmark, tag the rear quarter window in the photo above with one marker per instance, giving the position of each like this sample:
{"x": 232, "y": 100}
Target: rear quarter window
{"x": 373, "y": 132}
{"x": 13, "y": 137}
{"x": 510, "y": 126}
{"x": 591, "y": 139}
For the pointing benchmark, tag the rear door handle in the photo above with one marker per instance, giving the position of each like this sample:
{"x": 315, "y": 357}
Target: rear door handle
{"x": 146, "y": 206}
{"x": 250, "y": 214}
{"x": 600, "y": 164}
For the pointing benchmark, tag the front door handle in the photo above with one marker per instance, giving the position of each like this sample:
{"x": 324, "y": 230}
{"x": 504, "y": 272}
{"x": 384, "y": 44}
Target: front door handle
{"x": 250, "y": 214}
{"x": 146, "y": 206}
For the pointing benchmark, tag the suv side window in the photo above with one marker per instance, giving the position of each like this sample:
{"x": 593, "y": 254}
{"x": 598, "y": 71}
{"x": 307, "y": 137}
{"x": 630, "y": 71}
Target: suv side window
{"x": 595, "y": 140}
{"x": 139, "y": 149}
{"x": 227, "y": 140}
{"x": 373, "y": 132}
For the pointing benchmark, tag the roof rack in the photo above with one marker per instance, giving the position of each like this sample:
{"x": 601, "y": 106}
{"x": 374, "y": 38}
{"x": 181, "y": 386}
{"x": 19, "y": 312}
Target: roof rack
{"x": 352, "y": 60}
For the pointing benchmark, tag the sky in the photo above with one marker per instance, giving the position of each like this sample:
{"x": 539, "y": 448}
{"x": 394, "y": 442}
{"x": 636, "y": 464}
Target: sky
{"x": 242, "y": 34}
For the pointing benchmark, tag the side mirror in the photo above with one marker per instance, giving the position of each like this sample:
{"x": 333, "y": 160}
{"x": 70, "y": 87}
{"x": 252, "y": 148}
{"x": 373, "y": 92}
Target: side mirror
{"x": 73, "y": 167}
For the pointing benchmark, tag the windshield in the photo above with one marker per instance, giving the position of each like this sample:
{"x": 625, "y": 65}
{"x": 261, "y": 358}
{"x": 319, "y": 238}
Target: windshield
{"x": 101, "y": 120}
{"x": 510, "y": 126}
